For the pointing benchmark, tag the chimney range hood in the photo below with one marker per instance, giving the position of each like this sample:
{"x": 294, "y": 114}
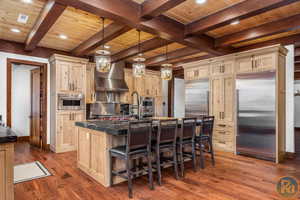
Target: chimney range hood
{"x": 112, "y": 81}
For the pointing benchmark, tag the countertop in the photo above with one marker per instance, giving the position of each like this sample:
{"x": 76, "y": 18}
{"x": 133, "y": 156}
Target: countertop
{"x": 112, "y": 127}
{"x": 7, "y": 135}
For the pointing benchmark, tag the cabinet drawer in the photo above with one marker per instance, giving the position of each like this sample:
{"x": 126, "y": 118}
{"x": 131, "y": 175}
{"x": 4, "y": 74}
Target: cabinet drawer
{"x": 223, "y": 145}
{"x": 223, "y": 135}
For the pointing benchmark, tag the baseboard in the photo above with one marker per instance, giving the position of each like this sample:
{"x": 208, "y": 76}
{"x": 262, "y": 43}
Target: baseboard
{"x": 23, "y": 139}
{"x": 290, "y": 155}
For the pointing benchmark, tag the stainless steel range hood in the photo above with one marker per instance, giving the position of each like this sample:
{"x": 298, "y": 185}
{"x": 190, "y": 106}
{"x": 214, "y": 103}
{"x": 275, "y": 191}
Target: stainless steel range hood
{"x": 112, "y": 81}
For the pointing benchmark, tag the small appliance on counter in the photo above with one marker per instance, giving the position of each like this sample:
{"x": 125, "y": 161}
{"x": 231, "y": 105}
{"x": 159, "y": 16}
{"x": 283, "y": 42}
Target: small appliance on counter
{"x": 147, "y": 108}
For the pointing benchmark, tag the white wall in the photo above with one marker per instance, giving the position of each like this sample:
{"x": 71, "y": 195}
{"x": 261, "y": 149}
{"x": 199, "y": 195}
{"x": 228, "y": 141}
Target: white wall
{"x": 3, "y": 59}
{"x": 21, "y": 99}
{"x": 290, "y": 133}
{"x": 179, "y": 98}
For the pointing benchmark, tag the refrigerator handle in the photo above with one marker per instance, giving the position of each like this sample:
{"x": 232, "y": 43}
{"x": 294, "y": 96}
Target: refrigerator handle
{"x": 237, "y": 111}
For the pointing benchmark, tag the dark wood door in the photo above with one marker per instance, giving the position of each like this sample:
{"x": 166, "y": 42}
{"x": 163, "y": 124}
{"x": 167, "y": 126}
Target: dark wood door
{"x": 35, "y": 122}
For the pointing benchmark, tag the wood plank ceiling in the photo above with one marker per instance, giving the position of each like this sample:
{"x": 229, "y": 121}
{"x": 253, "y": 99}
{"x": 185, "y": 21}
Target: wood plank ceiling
{"x": 192, "y": 31}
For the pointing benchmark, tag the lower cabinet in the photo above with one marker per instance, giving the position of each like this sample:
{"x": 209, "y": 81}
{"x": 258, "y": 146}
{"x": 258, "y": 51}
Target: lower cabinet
{"x": 6, "y": 171}
{"x": 66, "y": 131}
{"x": 93, "y": 154}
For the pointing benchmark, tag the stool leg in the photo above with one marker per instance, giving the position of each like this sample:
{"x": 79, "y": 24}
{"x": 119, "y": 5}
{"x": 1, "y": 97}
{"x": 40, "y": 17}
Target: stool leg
{"x": 181, "y": 160}
{"x": 150, "y": 171}
{"x": 110, "y": 169}
{"x": 194, "y": 155}
{"x": 129, "y": 177}
{"x": 212, "y": 152}
{"x": 201, "y": 154}
{"x": 158, "y": 166}
{"x": 175, "y": 162}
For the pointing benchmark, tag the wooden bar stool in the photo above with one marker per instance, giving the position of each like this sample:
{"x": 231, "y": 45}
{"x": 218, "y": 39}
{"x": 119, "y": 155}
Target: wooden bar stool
{"x": 138, "y": 146}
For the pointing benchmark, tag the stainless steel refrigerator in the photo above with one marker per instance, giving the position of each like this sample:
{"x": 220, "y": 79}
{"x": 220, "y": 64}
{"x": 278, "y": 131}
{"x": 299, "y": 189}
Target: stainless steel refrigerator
{"x": 196, "y": 98}
{"x": 256, "y": 115}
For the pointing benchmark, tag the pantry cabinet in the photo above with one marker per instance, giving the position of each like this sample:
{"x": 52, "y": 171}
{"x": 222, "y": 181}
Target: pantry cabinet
{"x": 90, "y": 83}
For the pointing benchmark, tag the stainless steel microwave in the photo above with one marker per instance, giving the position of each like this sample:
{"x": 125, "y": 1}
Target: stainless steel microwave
{"x": 70, "y": 101}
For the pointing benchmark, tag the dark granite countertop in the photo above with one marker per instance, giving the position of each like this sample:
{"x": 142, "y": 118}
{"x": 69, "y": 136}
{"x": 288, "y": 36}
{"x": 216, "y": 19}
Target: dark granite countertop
{"x": 7, "y": 135}
{"x": 110, "y": 127}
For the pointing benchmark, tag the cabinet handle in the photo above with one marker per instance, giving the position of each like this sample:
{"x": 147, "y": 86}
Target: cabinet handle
{"x": 222, "y": 125}
{"x": 222, "y": 132}
{"x": 222, "y": 142}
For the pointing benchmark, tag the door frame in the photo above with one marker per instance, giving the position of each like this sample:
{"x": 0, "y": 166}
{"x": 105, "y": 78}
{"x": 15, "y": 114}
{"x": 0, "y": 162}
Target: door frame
{"x": 43, "y": 100}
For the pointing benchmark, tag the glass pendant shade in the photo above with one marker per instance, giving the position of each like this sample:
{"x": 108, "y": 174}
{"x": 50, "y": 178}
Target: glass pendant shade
{"x": 103, "y": 61}
{"x": 166, "y": 72}
{"x": 139, "y": 68}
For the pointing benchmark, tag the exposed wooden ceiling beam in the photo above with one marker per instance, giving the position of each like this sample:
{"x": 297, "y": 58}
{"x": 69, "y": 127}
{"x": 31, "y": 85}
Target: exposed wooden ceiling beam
{"x": 283, "y": 41}
{"x": 239, "y": 11}
{"x": 153, "y": 8}
{"x": 297, "y": 59}
{"x": 280, "y": 26}
{"x": 297, "y": 51}
{"x": 111, "y": 32}
{"x": 51, "y": 12}
{"x": 160, "y": 59}
{"x": 145, "y": 46}
{"x": 127, "y": 12}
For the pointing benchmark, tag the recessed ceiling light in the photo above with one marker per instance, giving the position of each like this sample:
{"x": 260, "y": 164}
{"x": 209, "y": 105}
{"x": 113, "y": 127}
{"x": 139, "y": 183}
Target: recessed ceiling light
{"x": 27, "y": 1}
{"x": 62, "y": 36}
{"x": 22, "y": 18}
{"x": 106, "y": 46}
{"x": 235, "y": 22}
{"x": 200, "y": 1}
{"x": 15, "y": 30}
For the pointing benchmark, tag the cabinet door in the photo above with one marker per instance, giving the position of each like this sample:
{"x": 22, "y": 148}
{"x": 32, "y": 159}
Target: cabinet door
{"x": 90, "y": 84}
{"x": 65, "y": 134}
{"x": 148, "y": 85}
{"x": 63, "y": 77}
{"x": 156, "y": 86}
{"x": 84, "y": 148}
{"x": 77, "y": 77}
{"x": 139, "y": 84}
{"x": 98, "y": 155}
{"x": 189, "y": 74}
{"x": 265, "y": 62}
{"x": 2, "y": 175}
{"x": 228, "y": 98}
{"x": 6, "y": 171}
{"x": 244, "y": 64}
{"x": 216, "y": 97}
{"x": 158, "y": 106}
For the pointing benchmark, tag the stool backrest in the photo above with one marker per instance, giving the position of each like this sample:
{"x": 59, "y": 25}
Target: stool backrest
{"x": 188, "y": 128}
{"x": 139, "y": 134}
{"x": 207, "y": 125}
{"x": 167, "y": 131}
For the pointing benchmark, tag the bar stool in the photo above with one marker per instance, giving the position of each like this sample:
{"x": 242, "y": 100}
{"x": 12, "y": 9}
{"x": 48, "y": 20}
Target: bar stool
{"x": 138, "y": 146}
{"x": 166, "y": 142}
{"x": 187, "y": 138}
{"x": 206, "y": 137}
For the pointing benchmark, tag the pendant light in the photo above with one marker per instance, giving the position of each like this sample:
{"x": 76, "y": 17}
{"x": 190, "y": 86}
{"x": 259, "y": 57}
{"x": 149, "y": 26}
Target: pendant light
{"x": 166, "y": 70}
{"x": 139, "y": 67}
{"x": 103, "y": 60}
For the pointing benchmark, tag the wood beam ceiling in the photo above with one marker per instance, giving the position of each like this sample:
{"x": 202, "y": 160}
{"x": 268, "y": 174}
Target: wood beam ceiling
{"x": 239, "y": 11}
{"x": 47, "y": 18}
{"x": 157, "y": 60}
{"x": 153, "y": 8}
{"x": 188, "y": 60}
{"x": 111, "y": 32}
{"x": 127, "y": 12}
{"x": 280, "y": 26}
{"x": 145, "y": 46}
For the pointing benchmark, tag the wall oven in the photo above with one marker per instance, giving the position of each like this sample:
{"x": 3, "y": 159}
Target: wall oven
{"x": 70, "y": 101}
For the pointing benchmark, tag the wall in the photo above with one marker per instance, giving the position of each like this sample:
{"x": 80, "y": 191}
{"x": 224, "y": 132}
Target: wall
{"x": 290, "y": 133}
{"x": 179, "y": 98}
{"x": 21, "y": 99}
{"x": 3, "y": 59}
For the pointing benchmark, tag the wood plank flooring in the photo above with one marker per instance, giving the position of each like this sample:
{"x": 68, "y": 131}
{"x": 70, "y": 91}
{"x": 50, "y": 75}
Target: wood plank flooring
{"x": 233, "y": 178}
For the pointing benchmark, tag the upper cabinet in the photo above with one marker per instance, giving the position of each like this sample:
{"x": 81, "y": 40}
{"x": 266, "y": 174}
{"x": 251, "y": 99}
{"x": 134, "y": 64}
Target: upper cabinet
{"x": 197, "y": 72}
{"x": 256, "y": 63}
{"x": 68, "y": 73}
{"x": 222, "y": 67}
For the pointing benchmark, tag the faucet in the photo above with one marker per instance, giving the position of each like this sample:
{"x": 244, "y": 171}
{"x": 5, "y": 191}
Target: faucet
{"x": 135, "y": 93}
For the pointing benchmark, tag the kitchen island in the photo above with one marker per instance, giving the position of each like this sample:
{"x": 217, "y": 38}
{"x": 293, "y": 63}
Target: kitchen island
{"x": 95, "y": 138}
{"x": 7, "y": 139}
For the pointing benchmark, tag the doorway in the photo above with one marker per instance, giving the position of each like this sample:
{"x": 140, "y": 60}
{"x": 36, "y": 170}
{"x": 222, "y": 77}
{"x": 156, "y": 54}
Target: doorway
{"x": 27, "y": 100}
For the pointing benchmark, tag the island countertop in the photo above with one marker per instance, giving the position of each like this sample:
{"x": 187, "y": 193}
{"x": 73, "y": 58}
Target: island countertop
{"x": 7, "y": 135}
{"x": 117, "y": 127}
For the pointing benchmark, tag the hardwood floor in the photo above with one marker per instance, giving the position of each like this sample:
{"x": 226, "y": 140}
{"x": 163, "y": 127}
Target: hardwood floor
{"x": 233, "y": 178}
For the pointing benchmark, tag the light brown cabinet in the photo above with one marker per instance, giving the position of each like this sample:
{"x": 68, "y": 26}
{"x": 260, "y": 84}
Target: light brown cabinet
{"x": 68, "y": 76}
{"x": 6, "y": 171}
{"x": 197, "y": 72}
{"x": 222, "y": 67}
{"x": 90, "y": 83}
